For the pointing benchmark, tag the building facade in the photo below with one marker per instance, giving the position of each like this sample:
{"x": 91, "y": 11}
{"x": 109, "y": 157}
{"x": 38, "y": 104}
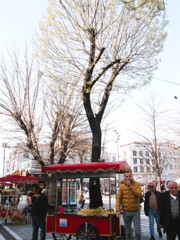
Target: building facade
{"x": 18, "y": 158}
{"x": 139, "y": 158}
{"x": 21, "y": 160}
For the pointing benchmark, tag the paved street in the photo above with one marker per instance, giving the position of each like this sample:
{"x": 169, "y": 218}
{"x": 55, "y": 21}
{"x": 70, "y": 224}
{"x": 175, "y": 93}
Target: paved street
{"x": 24, "y": 232}
{"x": 2, "y": 238}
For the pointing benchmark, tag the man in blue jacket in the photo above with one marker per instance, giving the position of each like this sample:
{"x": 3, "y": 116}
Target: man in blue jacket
{"x": 152, "y": 204}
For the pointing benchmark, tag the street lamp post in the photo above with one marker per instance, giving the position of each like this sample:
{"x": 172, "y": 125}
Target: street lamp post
{"x": 4, "y": 145}
{"x": 117, "y": 142}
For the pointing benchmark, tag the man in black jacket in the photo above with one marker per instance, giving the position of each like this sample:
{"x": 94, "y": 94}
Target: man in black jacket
{"x": 170, "y": 211}
{"x": 39, "y": 211}
{"x": 152, "y": 204}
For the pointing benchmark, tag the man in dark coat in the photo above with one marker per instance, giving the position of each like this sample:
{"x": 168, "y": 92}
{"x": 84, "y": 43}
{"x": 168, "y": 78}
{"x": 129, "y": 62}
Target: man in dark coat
{"x": 152, "y": 204}
{"x": 39, "y": 211}
{"x": 170, "y": 211}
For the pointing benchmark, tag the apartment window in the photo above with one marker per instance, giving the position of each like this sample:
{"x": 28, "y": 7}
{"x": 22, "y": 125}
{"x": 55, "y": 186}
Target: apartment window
{"x": 135, "y": 169}
{"x": 141, "y": 161}
{"x": 134, "y": 153}
{"x": 147, "y": 154}
{"x": 25, "y": 155}
{"x": 140, "y": 153}
{"x": 148, "y": 169}
{"x": 142, "y": 169}
{"x": 134, "y": 160}
{"x": 147, "y": 161}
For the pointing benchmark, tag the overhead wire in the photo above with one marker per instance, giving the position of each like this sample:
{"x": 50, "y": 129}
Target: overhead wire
{"x": 167, "y": 81}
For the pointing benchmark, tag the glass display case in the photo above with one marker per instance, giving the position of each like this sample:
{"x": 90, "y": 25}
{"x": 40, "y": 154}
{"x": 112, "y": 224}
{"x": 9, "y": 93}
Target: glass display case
{"x": 67, "y": 193}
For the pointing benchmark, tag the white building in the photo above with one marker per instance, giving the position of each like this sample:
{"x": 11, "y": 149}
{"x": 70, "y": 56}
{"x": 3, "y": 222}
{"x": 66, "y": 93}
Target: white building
{"x": 17, "y": 158}
{"x": 138, "y": 157}
{"x": 22, "y": 160}
{"x": 110, "y": 157}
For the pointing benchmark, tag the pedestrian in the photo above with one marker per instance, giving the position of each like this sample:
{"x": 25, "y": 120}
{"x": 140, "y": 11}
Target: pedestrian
{"x": 152, "y": 204}
{"x": 170, "y": 211}
{"x": 128, "y": 201}
{"x": 81, "y": 201}
{"x": 27, "y": 211}
{"x": 38, "y": 212}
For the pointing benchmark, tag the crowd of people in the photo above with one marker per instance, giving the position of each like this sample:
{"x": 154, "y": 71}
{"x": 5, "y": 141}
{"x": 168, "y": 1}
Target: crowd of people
{"x": 162, "y": 208}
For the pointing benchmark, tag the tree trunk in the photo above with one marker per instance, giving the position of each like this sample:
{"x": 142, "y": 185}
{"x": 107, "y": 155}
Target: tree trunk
{"x": 94, "y": 184}
{"x": 62, "y": 158}
{"x": 95, "y": 193}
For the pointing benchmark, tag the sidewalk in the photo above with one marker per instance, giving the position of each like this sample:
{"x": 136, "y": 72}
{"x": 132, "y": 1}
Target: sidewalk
{"x": 24, "y": 232}
{"x": 21, "y": 232}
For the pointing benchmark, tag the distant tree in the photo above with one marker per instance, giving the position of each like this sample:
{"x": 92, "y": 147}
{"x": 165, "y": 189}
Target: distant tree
{"x": 175, "y": 121}
{"x": 107, "y": 46}
{"x": 152, "y": 135}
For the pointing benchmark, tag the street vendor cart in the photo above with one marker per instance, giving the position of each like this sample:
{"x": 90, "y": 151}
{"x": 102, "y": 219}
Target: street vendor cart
{"x": 68, "y": 218}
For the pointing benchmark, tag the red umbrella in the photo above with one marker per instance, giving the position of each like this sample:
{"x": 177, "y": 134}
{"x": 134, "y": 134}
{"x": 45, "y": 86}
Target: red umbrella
{"x": 19, "y": 179}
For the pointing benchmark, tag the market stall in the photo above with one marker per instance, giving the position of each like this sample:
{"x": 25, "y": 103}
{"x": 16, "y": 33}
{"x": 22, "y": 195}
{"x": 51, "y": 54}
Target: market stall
{"x": 10, "y": 197}
{"x": 68, "y": 219}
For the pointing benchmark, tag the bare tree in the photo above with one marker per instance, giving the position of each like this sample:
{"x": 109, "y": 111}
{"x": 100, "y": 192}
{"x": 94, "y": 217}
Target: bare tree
{"x": 33, "y": 114}
{"x": 175, "y": 121}
{"x": 66, "y": 122}
{"x": 153, "y": 136}
{"x": 106, "y": 46}
{"x": 18, "y": 102}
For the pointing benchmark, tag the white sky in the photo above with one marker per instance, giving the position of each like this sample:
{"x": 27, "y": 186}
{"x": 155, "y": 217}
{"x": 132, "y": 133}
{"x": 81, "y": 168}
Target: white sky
{"x": 19, "y": 21}
{"x": 169, "y": 70}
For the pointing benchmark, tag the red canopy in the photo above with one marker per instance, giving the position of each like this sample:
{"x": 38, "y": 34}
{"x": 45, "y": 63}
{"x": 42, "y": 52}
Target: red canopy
{"x": 117, "y": 167}
{"x": 19, "y": 179}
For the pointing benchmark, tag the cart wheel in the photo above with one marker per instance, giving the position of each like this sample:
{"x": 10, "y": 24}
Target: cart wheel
{"x": 57, "y": 236}
{"x": 87, "y": 231}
